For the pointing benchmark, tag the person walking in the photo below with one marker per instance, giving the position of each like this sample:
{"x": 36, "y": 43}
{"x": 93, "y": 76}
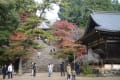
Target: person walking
{"x": 4, "y": 71}
{"x": 68, "y": 71}
{"x": 62, "y": 69}
{"x": 10, "y": 71}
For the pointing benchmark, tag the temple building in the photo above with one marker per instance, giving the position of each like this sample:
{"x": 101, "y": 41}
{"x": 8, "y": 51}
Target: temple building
{"x": 102, "y": 35}
{"x": 43, "y": 26}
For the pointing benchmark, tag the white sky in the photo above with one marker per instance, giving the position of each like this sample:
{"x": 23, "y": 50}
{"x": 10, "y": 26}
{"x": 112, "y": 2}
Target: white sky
{"x": 51, "y": 15}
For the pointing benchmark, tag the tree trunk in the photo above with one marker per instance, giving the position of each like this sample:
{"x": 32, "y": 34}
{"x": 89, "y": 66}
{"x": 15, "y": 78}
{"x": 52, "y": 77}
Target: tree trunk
{"x": 20, "y": 66}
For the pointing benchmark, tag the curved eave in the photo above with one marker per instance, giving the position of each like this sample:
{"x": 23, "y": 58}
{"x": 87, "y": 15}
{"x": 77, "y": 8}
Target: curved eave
{"x": 103, "y": 28}
{"x": 109, "y": 22}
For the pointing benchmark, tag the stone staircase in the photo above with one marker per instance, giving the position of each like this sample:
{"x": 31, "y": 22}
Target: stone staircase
{"x": 43, "y": 59}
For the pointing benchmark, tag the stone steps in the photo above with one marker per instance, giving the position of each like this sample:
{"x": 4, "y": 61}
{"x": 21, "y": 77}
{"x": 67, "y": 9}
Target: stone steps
{"x": 44, "y": 59}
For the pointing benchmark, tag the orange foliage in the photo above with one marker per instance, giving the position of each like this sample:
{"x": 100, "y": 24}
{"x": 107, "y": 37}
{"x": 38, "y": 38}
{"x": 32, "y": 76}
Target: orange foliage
{"x": 66, "y": 31}
{"x": 81, "y": 51}
{"x": 61, "y": 32}
{"x": 63, "y": 29}
{"x": 64, "y": 25}
{"x": 66, "y": 43}
{"x": 17, "y": 35}
{"x": 23, "y": 17}
{"x": 69, "y": 44}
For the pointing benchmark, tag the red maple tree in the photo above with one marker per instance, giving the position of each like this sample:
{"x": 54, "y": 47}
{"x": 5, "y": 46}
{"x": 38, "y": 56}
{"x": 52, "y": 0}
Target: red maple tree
{"x": 66, "y": 32}
{"x": 64, "y": 25}
{"x": 64, "y": 29}
{"x": 81, "y": 51}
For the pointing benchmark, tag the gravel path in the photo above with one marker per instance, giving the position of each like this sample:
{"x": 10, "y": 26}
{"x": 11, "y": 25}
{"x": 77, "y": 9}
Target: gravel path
{"x": 55, "y": 76}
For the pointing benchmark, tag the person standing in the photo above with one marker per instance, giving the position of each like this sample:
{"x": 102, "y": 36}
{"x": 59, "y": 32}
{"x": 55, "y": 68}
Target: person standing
{"x": 68, "y": 71}
{"x": 38, "y": 55}
{"x": 62, "y": 69}
{"x": 73, "y": 75}
{"x": 4, "y": 71}
{"x": 50, "y": 69}
{"x": 10, "y": 71}
{"x": 52, "y": 66}
{"x": 77, "y": 68}
{"x": 34, "y": 69}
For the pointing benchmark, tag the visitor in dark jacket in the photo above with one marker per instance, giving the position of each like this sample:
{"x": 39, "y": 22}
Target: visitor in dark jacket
{"x": 34, "y": 69}
{"x": 62, "y": 69}
{"x": 4, "y": 71}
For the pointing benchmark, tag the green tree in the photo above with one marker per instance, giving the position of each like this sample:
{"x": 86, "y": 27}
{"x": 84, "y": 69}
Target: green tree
{"x": 10, "y": 12}
{"x": 77, "y": 11}
{"x": 25, "y": 5}
{"x": 10, "y": 17}
{"x": 71, "y": 10}
{"x": 8, "y": 20}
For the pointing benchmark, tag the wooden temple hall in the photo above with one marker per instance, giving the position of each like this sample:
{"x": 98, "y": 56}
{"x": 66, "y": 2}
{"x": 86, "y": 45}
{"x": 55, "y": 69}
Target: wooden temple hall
{"x": 103, "y": 36}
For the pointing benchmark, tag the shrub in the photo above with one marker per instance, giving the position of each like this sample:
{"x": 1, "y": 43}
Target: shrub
{"x": 87, "y": 69}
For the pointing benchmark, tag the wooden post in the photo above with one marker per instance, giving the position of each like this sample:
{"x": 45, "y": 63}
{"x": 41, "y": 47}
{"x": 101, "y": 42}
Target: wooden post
{"x": 106, "y": 52}
{"x": 20, "y": 66}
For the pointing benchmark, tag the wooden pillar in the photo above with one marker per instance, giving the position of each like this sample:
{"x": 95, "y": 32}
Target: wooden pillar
{"x": 106, "y": 49}
{"x": 20, "y": 65}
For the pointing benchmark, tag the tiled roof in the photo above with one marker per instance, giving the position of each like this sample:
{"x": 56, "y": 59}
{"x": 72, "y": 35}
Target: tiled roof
{"x": 106, "y": 21}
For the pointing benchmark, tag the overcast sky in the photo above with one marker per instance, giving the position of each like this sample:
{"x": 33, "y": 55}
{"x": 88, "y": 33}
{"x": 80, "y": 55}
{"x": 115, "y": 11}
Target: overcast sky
{"x": 51, "y": 14}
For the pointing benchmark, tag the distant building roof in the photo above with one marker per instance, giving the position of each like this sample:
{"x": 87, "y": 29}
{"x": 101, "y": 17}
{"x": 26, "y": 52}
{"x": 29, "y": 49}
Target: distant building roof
{"x": 43, "y": 25}
{"x": 106, "y": 21}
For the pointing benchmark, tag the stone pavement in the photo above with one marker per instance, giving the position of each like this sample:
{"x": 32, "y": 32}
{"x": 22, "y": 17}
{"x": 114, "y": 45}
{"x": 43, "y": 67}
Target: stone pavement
{"x": 55, "y": 76}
